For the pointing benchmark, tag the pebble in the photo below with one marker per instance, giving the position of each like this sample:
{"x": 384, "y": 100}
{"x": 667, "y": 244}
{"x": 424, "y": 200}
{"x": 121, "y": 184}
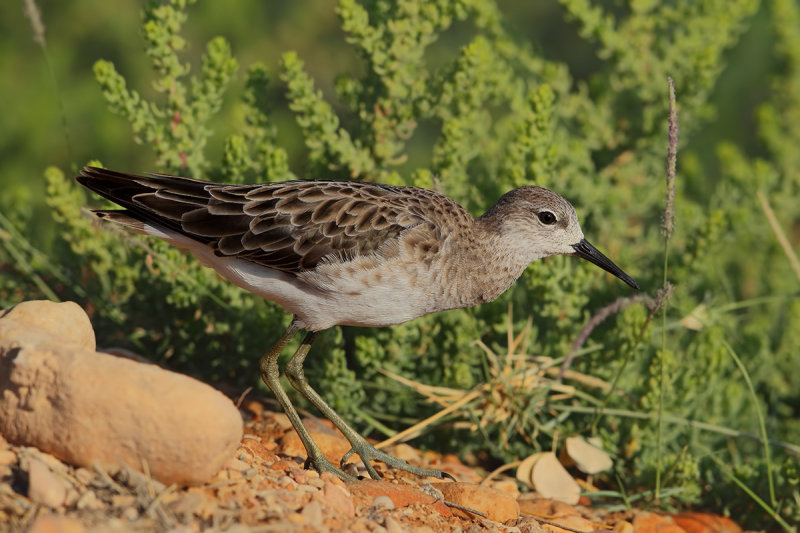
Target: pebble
{"x": 312, "y": 513}
{"x": 330, "y": 441}
{"x": 530, "y": 525}
{"x": 393, "y": 526}
{"x": 534, "y": 505}
{"x": 498, "y": 506}
{"x": 383, "y": 502}
{"x": 88, "y": 500}
{"x": 706, "y": 523}
{"x": 7, "y": 457}
{"x": 623, "y": 526}
{"x": 44, "y": 486}
{"x": 655, "y": 523}
{"x": 51, "y": 523}
{"x": 338, "y": 500}
{"x": 256, "y": 448}
{"x": 365, "y": 491}
{"x": 82, "y": 406}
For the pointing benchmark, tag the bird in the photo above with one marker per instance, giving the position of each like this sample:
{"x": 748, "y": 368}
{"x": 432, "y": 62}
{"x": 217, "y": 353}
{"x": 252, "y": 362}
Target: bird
{"x": 346, "y": 253}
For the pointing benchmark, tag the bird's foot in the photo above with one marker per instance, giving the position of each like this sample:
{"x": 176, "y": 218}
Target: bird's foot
{"x": 367, "y": 452}
{"x": 321, "y": 464}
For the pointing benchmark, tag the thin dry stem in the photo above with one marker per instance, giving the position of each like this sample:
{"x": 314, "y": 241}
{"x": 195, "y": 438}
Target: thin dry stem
{"x": 611, "y": 309}
{"x": 668, "y": 222}
{"x": 779, "y": 234}
{"x": 419, "y": 426}
{"x": 663, "y": 294}
{"x": 514, "y": 377}
{"x": 497, "y": 471}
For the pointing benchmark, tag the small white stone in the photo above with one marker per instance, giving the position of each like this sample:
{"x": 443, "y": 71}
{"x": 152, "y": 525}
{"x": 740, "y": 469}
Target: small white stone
{"x": 383, "y": 502}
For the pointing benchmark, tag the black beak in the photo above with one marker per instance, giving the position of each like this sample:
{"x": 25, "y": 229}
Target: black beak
{"x": 590, "y": 253}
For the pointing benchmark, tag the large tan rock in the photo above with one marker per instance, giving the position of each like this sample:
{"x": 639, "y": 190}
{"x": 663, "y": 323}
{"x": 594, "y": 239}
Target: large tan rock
{"x": 59, "y": 395}
{"x": 64, "y": 322}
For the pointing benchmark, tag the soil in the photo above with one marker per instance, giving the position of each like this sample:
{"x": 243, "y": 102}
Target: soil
{"x": 265, "y": 489}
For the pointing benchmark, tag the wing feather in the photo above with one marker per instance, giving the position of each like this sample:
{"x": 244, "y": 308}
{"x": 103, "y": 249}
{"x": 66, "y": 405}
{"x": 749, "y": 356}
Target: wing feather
{"x": 290, "y": 226}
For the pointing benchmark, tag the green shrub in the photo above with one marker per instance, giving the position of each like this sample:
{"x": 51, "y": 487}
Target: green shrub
{"x": 498, "y": 114}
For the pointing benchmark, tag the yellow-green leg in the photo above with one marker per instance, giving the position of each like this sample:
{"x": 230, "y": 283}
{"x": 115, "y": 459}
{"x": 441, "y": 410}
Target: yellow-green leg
{"x": 270, "y": 374}
{"x": 365, "y": 450}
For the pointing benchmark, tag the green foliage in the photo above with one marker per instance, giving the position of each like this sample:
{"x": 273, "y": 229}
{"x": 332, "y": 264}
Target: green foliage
{"x": 177, "y": 130}
{"x": 492, "y": 113}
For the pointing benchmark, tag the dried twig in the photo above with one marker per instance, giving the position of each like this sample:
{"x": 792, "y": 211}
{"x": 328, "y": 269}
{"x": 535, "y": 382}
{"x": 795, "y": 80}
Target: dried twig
{"x": 614, "y": 307}
{"x": 779, "y": 234}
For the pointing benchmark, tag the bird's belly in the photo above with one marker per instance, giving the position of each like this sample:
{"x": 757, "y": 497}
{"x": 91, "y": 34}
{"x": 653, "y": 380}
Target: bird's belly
{"x": 331, "y": 296}
{"x": 380, "y": 297}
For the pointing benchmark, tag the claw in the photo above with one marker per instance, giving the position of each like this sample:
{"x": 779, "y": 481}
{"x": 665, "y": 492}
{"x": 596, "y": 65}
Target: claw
{"x": 346, "y": 456}
{"x": 446, "y": 475}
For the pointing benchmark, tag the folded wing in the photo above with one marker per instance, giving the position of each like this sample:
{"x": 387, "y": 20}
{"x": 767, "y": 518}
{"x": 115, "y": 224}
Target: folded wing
{"x": 289, "y": 226}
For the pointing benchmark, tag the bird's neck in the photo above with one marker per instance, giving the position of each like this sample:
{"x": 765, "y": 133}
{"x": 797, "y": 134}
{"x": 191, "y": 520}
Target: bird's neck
{"x": 489, "y": 262}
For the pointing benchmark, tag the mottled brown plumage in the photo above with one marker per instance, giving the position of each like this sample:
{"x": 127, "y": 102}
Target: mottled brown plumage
{"x": 289, "y": 226}
{"x": 347, "y": 253}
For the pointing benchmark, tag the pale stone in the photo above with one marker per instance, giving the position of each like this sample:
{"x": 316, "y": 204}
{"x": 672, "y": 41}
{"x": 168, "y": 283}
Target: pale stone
{"x": 44, "y": 486}
{"x": 547, "y": 476}
{"x": 65, "y": 321}
{"x": 587, "y": 456}
{"x": 83, "y": 406}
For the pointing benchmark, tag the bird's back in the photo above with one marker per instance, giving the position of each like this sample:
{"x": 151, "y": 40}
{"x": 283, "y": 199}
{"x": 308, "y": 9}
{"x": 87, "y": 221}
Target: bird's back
{"x": 289, "y": 226}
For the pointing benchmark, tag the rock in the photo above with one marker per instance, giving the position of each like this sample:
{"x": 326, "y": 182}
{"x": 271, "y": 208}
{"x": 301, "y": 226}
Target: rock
{"x": 7, "y": 457}
{"x": 544, "y": 507}
{"x": 302, "y": 476}
{"x": 622, "y": 526}
{"x": 383, "y": 502}
{"x": 571, "y": 524}
{"x": 646, "y": 522}
{"x": 393, "y": 526}
{"x": 496, "y": 505}
{"x": 330, "y": 441}
{"x": 706, "y": 523}
{"x": 65, "y": 321}
{"x": 338, "y": 500}
{"x": 44, "y": 486}
{"x": 366, "y": 491}
{"x": 313, "y": 514}
{"x": 507, "y": 486}
{"x": 555, "y": 511}
{"x": 89, "y": 500}
{"x": 546, "y": 475}
{"x": 586, "y": 456}
{"x": 60, "y": 396}
{"x": 51, "y": 523}
{"x": 526, "y": 524}
{"x": 279, "y": 419}
{"x": 257, "y": 449}
{"x": 330, "y": 477}
{"x": 254, "y": 407}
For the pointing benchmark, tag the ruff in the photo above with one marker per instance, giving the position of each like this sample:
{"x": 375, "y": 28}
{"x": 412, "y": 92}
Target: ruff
{"x": 347, "y": 253}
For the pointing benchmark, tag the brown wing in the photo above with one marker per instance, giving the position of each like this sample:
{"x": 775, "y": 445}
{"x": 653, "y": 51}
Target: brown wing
{"x": 290, "y": 226}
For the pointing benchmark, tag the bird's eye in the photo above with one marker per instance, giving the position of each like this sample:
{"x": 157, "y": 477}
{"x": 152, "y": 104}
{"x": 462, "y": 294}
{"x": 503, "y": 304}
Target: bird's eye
{"x": 546, "y": 217}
